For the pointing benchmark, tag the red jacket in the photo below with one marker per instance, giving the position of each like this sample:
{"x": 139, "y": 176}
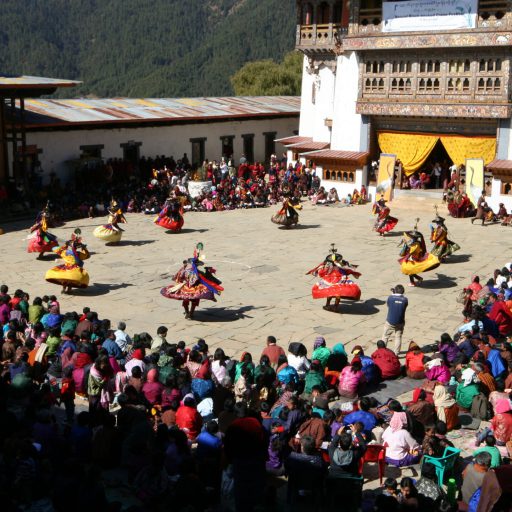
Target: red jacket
{"x": 388, "y": 363}
{"x": 189, "y": 420}
{"x": 502, "y": 316}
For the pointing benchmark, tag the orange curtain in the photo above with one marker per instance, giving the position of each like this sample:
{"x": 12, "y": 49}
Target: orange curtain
{"x": 459, "y": 148}
{"x": 412, "y": 149}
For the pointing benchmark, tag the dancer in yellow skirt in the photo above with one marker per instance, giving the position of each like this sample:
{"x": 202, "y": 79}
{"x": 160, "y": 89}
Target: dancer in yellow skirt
{"x": 414, "y": 258}
{"x": 71, "y": 274}
{"x": 111, "y": 232}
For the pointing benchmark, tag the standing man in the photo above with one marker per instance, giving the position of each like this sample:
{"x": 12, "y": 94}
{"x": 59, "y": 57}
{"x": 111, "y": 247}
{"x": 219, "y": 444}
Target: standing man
{"x": 395, "y": 320}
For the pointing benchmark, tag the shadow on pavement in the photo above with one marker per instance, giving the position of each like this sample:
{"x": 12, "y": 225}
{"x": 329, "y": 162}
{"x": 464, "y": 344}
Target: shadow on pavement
{"x": 458, "y": 258}
{"x": 300, "y": 226}
{"x": 442, "y": 281}
{"x": 134, "y": 243}
{"x": 222, "y": 314}
{"x": 368, "y": 307}
{"x": 99, "y": 289}
{"x": 188, "y": 230}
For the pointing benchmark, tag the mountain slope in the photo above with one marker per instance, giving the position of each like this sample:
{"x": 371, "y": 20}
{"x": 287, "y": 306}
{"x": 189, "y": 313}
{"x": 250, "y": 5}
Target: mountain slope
{"x": 143, "y": 47}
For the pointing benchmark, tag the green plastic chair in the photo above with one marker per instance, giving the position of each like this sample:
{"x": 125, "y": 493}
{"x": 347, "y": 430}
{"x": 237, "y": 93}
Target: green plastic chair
{"x": 444, "y": 463}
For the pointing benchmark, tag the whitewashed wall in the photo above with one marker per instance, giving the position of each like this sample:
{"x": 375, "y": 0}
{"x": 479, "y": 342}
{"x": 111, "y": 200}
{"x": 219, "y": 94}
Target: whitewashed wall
{"x": 313, "y": 115}
{"x": 496, "y": 198}
{"x": 61, "y": 146}
{"x": 347, "y": 125}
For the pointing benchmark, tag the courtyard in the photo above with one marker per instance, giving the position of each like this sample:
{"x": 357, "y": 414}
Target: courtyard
{"x": 263, "y": 269}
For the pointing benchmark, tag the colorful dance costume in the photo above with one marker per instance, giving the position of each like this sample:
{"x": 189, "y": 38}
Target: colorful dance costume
{"x": 288, "y": 214}
{"x": 334, "y": 280}
{"x": 384, "y": 222}
{"x": 71, "y": 274}
{"x": 443, "y": 247}
{"x": 191, "y": 283}
{"x": 171, "y": 216}
{"x": 42, "y": 241}
{"x": 414, "y": 257}
{"x": 111, "y": 232}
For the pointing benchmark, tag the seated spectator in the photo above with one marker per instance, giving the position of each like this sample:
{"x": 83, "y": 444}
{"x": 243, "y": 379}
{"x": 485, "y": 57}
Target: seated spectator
{"x": 408, "y": 497}
{"x": 467, "y": 389}
{"x": 273, "y": 351}
{"x": 351, "y": 379}
{"x": 490, "y": 448}
{"x": 501, "y": 423}
{"x": 370, "y": 369}
{"x": 315, "y": 377}
{"x": 336, "y": 361}
{"x": 320, "y": 351}
{"x": 448, "y": 348}
{"x": 421, "y": 409}
{"x": 446, "y": 407}
{"x": 436, "y": 370}
{"x": 286, "y": 373}
{"x": 402, "y": 449}
{"x": 474, "y": 474}
{"x": 414, "y": 367}
{"x": 345, "y": 452}
{"x": 153, "y": 388}
{"x": 387, "y": 361}
{"x": 297, "y": 357}
{"x": 188, "y": 419}
{"x": 363, "y": 415}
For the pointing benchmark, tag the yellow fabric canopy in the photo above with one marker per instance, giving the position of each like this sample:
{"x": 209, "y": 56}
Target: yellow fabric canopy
{"x": 413, "y": 149}
{"x": 459, "y": 148}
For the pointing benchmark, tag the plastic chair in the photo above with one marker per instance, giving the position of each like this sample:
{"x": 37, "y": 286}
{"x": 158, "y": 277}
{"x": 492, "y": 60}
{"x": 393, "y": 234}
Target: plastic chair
{"x": 375, "y": 453}
{"x": 444, "y": 463}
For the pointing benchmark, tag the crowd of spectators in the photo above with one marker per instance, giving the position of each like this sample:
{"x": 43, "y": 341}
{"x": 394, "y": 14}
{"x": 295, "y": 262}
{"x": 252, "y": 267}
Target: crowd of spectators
{"x": 145, "y": 187}
{"x": 192, "y": 429}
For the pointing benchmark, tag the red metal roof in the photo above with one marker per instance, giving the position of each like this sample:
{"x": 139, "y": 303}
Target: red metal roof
{"x": 308, "y": 146}
{"x": 360, "y": 157}
{"x": 295, "y": 139}
{"x": 500, "y": 165}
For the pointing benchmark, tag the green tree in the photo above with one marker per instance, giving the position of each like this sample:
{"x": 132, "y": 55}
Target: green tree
{"x": 268, "y": 78}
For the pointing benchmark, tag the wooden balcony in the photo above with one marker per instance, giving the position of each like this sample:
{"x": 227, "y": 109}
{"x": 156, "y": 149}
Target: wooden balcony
{"x": 321, "y": 37}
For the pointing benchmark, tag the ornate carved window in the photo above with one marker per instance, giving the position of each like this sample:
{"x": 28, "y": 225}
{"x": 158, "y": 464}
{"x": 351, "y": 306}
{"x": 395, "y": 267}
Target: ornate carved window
{"x": 339, "y": 175}
{"x": 458, "y": 85}
{"x": 374, "y": 67}
{"x": 430, "y": 66}
{"x": 489, "y": 65}
{"x": 489, "y": 85}
{"x": 429, "y": 85}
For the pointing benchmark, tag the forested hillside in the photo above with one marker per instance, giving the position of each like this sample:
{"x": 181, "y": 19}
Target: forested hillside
{"x": 143, "y": 48}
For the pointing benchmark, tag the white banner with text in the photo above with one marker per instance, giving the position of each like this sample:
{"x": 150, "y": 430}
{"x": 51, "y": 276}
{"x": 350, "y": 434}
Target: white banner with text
{"x": 421, "y": 15}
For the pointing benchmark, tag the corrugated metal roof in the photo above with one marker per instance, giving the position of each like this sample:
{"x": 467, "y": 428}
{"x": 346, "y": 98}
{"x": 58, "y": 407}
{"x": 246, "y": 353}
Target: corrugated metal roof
{"x": 308, "y": 146}
{"x": 294, "y": 139}
{"x": 30, "y": 82}
{"x": 500, "y": 165}
{"x": 352, "y": 156}
{"x": 122, "y": 110}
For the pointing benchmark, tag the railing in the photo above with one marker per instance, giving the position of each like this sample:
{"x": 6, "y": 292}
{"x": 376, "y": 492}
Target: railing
{"x": 319, "y": 35}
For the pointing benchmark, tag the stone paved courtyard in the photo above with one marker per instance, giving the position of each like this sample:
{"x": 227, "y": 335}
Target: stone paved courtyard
{"x": 263, "y": 269}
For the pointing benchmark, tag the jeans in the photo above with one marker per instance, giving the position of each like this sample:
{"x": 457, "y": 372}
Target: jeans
{"x": 396, "y": 331}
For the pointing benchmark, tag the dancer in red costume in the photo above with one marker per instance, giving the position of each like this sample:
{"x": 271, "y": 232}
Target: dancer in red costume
{"x": 334, "y": 280}
{"x": 171, "y": 216}
{"x": 191, "y": 283}
{"x": 42, "y": 241}
{"x": 384, "y": 222}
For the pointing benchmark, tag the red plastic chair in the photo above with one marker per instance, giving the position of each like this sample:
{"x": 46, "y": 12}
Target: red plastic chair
{"x": 374, "y": 453}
